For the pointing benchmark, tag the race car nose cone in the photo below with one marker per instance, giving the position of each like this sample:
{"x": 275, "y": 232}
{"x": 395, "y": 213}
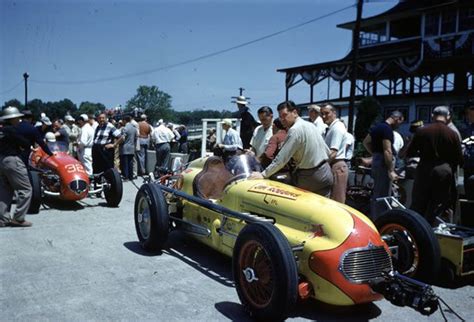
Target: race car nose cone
{"x": 78, "y": 186}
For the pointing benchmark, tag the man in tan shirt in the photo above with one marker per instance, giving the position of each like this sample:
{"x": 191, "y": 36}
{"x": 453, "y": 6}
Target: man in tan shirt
{"x": 144, "y": 132}
{"x": 306, "y": 147}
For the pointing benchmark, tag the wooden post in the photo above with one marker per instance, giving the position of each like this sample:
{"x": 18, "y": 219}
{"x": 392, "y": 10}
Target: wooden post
{"x": 355, "y": 56}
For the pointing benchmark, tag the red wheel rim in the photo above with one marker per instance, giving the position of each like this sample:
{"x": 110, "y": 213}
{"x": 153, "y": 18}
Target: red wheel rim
{"x": 392, "y": 229}
{"x": 255, "y": 276}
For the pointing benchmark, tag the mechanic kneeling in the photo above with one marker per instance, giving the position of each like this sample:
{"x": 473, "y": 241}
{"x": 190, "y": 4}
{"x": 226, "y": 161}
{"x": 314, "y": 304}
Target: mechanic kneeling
{"x": 13, "y": 173}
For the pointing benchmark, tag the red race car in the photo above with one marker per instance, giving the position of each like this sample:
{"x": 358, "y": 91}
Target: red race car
{"x": 64, "y": 177}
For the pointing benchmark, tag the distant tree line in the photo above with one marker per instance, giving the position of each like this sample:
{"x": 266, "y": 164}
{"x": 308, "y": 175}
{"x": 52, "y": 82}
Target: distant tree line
{"x": 156, "y": 104}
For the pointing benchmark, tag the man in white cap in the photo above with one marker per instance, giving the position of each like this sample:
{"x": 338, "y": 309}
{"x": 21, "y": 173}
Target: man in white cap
{"x": 247, "y": 124}
{"x": 85, "y": 142}
{"x": 74, "y": 132}
{"x": 162, "y": 137}
{"x": 13, "y": 174}
{"x": 45, "y": 125}
{"x": 232, "y": 141}
{"x": 314, "y": 113}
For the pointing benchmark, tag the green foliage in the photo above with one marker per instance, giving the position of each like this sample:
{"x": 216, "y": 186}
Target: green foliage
{"x": 57, "y": 110}
{"x": 89, "y": 108}
{"x": 195, "y": 117}
{"x": 368, "y": 112}
{"x": 155, "y": 103}
{"x": 13, "y": 102}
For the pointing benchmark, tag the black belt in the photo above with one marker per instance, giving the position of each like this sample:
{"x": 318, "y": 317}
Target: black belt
{"x": 316, "y": 167}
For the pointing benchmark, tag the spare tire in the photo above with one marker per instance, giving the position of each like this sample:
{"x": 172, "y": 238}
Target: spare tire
{"x": 418, "y": 254}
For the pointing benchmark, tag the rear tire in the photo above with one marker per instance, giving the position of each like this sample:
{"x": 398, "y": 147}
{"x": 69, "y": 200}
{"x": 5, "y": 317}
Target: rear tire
{"x": 151, "y": 217}
{"x": 264, "y": 271}
{"x": 36, "y": 196}
{"x": 418, "y": 249}
{"x": 113, "y": 190}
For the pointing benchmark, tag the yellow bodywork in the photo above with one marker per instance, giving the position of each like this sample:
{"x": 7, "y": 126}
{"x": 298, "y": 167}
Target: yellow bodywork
{"x": 303, "y": 217}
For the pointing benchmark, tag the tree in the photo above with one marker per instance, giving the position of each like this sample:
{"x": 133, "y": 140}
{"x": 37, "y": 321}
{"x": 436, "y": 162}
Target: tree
{"x": 57, "y": 110}
{"x": 36, "y": 106}
{"x": 13, "y": 102}
{"x": 155, "y": 103}
{"x": 367, "y": 113}
{"x": 90, "y": 108}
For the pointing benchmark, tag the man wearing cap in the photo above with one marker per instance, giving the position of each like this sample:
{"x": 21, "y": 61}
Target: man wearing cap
{"x": 308, "y": 151}
{"x": 13, "y": 173}
{"x": 314, "y": 113}
{"x": 440, "y": 153}
{"x": 74, "y": 132}
{"x": 232, "y": 141}
{"x": 262, "y": 134}
{"x": 45, "y": 125}
{"x": 247, "y": 124}
{"x": 335, "y": 140}
{"x": 85, "y": 142}
{"x": 106, "y": 138}
{"x": 162, "y": 137}
{"x": 144, "y": 132}
{"x": 468, "y": 143}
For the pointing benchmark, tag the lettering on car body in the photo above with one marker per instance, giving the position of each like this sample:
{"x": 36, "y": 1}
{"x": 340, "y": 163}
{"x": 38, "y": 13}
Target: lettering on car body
{"x": 273, "y": 191}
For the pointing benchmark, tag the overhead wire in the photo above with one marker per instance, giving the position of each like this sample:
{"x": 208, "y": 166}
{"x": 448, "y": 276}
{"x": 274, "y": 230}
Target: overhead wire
{"x": 12, "y": 88}
{"x": 192, "y": 60}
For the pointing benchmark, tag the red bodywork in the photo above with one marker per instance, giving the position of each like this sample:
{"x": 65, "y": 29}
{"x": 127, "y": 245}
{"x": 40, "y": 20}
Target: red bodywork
{"x": 66, "y": 174}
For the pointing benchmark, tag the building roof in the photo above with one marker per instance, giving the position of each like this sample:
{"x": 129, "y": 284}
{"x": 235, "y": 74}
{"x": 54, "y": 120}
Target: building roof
{"x": 366, "y": 54}
{"x": 405, "y": 9}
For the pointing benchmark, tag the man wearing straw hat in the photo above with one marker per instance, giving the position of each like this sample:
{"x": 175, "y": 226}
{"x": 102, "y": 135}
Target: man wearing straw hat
{"x": 13, "y": 173}
{"x": 248, "y": 123}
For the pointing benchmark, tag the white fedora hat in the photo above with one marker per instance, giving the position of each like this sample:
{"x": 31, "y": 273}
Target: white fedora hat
{"x": 241, "y": 100}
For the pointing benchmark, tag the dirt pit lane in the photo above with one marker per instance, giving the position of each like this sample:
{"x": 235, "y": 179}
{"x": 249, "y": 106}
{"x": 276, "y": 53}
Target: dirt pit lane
{"x": 81, "y": 261}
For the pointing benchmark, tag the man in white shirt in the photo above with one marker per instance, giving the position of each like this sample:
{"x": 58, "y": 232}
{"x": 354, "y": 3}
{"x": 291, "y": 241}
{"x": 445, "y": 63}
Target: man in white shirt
{"x": 314, "y": 113}
{"x": 307, "y": 149}
{"x": 232, "y": 141}
{"x": 335, "y": 137}
{"x": 162, "y": 137}
{"x": 349, "y": 145}
{"x": 262, "y": 133}
{"x": 85, "y": 142}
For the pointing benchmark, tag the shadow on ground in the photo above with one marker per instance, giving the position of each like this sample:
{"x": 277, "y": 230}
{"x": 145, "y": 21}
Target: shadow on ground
{"x": 310, "y": 309}
{"x": 197, "y": 255}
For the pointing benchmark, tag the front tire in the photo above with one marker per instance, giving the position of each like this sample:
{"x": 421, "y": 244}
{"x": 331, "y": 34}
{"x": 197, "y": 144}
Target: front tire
{"x": 418, "y": 249}
{"x": 35, "y": 203}
{"x": 151, "y": 217}
{"x": 264, "y": 271}
{"x": 113, "y": 190}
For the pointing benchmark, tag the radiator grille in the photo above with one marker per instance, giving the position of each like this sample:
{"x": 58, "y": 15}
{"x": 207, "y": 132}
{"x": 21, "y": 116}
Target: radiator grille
{"x": 361, "y": 265}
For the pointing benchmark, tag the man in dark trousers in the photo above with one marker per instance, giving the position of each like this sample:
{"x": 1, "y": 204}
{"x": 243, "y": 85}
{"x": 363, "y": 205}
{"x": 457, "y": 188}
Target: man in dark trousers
{"x": 379, "y": 143}
{"x": 13, "y": 174}
{"x": 440, "y": 154}
{"x": 247, "y": 124}
{"x": 106, "y": 138}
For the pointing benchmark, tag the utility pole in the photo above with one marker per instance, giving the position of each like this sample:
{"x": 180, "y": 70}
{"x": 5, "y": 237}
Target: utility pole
{"x": 25, "y": 76}
{"x": 355, "y": 57}
{"x": 241, "y": 90}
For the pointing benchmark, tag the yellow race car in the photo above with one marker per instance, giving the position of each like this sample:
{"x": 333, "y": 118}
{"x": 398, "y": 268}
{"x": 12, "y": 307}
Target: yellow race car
{"x": 287, "y": 243}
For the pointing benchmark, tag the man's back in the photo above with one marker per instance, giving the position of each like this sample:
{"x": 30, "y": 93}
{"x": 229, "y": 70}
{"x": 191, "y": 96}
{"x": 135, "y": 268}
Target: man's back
{"x": 436, "y": 144}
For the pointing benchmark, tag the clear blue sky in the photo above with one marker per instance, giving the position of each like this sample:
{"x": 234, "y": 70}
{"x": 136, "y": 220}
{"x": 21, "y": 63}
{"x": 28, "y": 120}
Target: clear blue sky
{"x": 77, "y": 40}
